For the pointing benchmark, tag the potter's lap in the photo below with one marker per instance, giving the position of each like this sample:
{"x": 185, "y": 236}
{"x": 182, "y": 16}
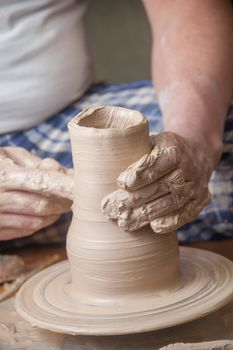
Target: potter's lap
{"x": 51, "y": 139}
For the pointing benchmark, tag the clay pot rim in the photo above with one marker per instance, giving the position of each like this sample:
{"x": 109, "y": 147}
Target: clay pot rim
{"x": 141, "y": 121}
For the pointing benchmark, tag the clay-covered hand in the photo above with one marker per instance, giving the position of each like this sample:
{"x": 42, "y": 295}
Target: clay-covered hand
{"x": 33, "y": 192}
{"x": 166, "y": 188}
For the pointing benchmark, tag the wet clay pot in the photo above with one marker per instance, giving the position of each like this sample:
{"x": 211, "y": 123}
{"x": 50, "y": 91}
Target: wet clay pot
{"x": 108, "y": 264}
{"x": 118, "y": 282}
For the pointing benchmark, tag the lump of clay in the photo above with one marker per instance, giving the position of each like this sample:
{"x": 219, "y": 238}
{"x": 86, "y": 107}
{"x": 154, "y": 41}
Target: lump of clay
{"x": 14, "y": 272}
{"x": 10, "y": 267}
{"x": 210, "y": 345}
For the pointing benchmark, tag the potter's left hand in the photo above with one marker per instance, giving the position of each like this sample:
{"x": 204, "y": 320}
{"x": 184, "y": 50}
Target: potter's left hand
{"x": 34, "y": 192}
{"x": 166, "y": 188}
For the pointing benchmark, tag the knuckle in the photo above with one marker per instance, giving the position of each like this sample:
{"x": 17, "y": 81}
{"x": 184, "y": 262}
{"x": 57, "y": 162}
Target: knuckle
{"x": 174, "y": 154}
{"x": 39, "y": 183}
{"x": 176, "y": 177}
{"x": 35, "y": 223}
{"x": 168, "y": 223}
{"x": 3, "y": 153}
{"x": 5, "y": 157}
{"x": 42, "y": 206}
{"x": 52, "y": 164}
{"x": 3, "y": 174}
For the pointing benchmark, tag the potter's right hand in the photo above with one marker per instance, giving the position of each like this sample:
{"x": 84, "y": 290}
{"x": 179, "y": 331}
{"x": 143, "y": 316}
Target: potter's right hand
{"x": 166, "y": 188}
{"x": 33, "y": 192}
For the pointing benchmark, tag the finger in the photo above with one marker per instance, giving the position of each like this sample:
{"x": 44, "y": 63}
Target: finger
{"x": 26, "y": 203}
{"x": 135, "y": 218}
{"x": 4, "y": 157}
{"x": 23, "y": 157}
{"x": 172, "y": 222}
{"x": 25, "y": 222}
{"x": 69, "y": 171}
{"x": 131, "y": 220}
{"x": 149, "y": 168}
{"x": 7, "y": 234}
{"x": 37, "y": 181}
{"x": 52, "y": 164}
{"x": 117, "y": 202}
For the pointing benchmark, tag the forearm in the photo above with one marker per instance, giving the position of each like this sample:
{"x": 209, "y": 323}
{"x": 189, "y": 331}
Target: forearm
{"x": 192, "y": 67}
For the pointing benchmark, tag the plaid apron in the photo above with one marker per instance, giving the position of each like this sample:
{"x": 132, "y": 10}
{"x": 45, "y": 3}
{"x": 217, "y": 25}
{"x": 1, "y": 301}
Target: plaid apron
{"x": 51, "y": 139}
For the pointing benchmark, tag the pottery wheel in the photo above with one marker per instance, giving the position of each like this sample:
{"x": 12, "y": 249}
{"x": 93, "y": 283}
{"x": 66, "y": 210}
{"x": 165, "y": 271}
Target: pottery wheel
{"x": 205, "y": 284}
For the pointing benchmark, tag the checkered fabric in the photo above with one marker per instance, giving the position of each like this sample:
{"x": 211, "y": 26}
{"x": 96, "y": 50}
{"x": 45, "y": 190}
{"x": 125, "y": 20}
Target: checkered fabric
{"x": 51, "y": 139}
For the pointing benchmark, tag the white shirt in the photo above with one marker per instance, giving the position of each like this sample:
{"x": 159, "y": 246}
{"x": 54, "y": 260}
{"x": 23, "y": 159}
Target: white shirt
{"x": 44, "y": 65}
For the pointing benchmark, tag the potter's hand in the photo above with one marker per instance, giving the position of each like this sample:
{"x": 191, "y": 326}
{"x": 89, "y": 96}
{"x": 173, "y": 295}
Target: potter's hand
{"x": 33, "y": 192}
{"x": 166, "y": 188}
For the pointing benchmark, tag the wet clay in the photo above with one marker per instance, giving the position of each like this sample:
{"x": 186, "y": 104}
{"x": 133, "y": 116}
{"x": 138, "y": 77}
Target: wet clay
{"x": 10, "y": 267}
{"x": 107, "y": 263}
{"x": 15, "y": 333}
{"x": 14, "y": 272}
{"x": 161, "y": 189}
{"x": 119, "y": 282}
{"x": 34, "y": 192}
{"x": 210, "y": 345}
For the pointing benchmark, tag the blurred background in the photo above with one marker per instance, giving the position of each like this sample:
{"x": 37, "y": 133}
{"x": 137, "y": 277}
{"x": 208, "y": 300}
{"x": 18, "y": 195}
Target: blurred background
{"x": 119, "y": 40}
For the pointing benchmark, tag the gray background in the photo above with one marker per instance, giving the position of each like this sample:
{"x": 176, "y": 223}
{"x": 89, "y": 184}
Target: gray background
{"x": 119, "y": 39}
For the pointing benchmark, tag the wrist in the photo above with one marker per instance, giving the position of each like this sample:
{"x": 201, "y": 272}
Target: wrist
{"x": 193, "y": 108}
{"x": 209, "y": 142}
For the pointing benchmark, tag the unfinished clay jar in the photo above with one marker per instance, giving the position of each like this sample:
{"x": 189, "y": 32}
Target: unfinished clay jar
{"x": 106, "y": 262}
{"x": 117, "y": 282}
